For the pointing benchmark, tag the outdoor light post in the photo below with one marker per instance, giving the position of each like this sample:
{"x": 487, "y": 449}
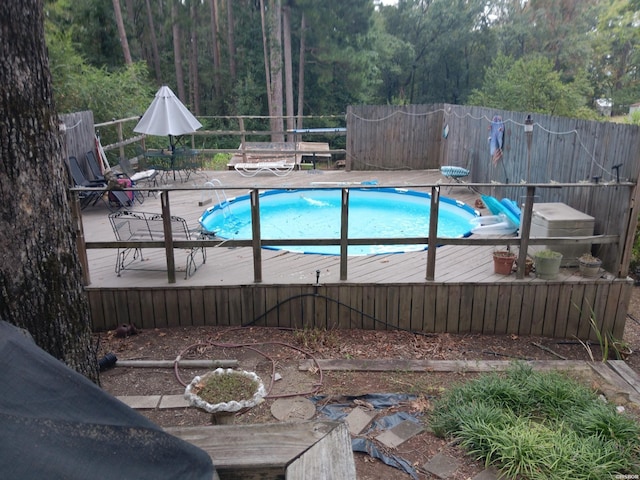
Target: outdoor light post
{"x": 528, "y": 131}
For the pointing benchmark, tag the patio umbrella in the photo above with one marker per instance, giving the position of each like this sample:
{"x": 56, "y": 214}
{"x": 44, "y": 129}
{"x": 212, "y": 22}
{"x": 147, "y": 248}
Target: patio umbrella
{"x": 167, "y": 116}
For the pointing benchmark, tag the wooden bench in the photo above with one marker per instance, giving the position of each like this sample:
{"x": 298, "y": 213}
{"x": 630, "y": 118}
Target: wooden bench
{"x": 140, "y": 227}
{"x": 310, "y": 450}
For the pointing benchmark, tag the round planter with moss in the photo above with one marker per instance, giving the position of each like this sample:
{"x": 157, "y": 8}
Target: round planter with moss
{"x": 547, "y": 263}
{"x": 223, "y": 392}
{"x": 589, "y": 265}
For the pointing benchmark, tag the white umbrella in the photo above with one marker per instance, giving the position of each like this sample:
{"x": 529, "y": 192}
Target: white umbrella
{"x": 167, "y": 115}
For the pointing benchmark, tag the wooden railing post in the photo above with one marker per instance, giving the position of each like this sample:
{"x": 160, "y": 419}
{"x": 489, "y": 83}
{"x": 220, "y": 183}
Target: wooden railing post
{"x": 344, "y": 233}
{"x": 168, "y": 236}
{"x": 243, "y": 139}
{"x": 255, "y": 235}
{"x": 433, "y": 233}
{"x": 525, "y": 231}
{"x": 80, "y": 242}
{"x": 120, "y": 139}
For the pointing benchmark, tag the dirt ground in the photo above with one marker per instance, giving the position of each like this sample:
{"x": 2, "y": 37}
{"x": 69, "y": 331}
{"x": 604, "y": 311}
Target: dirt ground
{"x": 269, "y": 350}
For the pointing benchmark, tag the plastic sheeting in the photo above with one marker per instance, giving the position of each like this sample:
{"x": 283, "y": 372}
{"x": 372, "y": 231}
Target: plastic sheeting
{"x": 379, "y": 401}
{"x": 57, "y": 424}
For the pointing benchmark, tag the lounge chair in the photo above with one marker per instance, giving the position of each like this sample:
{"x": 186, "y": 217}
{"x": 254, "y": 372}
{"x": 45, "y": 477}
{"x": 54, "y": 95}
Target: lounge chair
{"x": 101, "y": 175}
{"x": 96, "y": 169}
{"x": 139, "y": 226}
{"x": 117, "y": 198}
{"x": 454, "y": 173}
{"x": 80, "y": 180}
{"x": 148, "y": 177}
{"x": 278, "y": 168}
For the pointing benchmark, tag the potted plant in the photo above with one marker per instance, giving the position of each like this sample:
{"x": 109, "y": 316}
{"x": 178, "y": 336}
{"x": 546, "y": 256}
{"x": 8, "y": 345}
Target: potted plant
{"x": 223, "y": 392}
{"x": 528, "y": 265}
{"x": 589, "y": 265}
{"x": 547, "y": 263}
{"x": 503, "y": 262}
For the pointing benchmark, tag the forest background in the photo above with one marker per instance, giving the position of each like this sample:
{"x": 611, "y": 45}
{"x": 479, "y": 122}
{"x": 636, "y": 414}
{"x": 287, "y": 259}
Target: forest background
{"x": 289, "y": 58}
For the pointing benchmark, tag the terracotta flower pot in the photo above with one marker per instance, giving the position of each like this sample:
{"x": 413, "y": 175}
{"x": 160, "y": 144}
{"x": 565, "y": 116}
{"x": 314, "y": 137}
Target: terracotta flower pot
{"x": 503, "y": 262}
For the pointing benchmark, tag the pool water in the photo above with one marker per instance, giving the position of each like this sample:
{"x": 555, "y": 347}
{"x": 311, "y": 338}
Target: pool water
{"x": 309, "y": 214}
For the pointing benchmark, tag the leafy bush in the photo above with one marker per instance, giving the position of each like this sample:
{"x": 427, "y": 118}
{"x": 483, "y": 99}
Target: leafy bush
{"x": 539, "y": 425}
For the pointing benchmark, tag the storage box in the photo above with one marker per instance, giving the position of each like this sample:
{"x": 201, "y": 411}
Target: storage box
{"x": 560, "y": 220}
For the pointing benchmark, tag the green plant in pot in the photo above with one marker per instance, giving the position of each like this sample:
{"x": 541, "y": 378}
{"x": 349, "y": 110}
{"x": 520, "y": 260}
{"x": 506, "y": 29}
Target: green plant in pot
{"x": 547, "y": 264}
{"x": 589, "y": 265}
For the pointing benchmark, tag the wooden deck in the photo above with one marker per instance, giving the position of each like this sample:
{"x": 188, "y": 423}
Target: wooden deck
{"x": 381, "y": 291}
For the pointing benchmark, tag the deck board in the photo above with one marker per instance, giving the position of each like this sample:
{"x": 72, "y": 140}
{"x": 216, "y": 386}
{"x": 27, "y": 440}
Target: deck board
{"x": 233, "y": 266}
{"x": 380, "y": 291}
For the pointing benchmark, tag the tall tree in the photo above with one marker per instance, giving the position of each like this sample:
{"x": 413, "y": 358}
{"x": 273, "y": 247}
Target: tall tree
{"x": 288, "y": 67}
{"x": 531, "y": 84}
{"x": 122, "y": 32}
{"x": 154, "y": 42}
{"x": 300, "y": 112}
{"x": 40, "y": 274}
{"x": 273, "y": 39}
{"x": 215, "y": 47}
{"x": 615, "y": 67}
{"x": 231, "y": 43}
{"x": 194, "y": 72}
{"x": 450, "y": 40}
{"x": 177, "y": 50}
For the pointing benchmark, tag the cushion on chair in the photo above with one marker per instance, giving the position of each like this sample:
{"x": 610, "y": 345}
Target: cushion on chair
{"x": 452, "y": 171}
{"x": 144, "y": 175}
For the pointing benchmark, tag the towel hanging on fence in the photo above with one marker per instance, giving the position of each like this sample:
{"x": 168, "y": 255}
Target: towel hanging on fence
{"x": 496, "y": 138}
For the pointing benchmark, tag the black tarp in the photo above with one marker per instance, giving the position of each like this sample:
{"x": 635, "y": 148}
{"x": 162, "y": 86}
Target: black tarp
{"x": 56, "y": 424}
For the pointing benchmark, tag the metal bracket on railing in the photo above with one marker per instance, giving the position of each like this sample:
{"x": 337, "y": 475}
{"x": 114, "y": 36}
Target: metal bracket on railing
{"x": 617, "y": 169}
{"x": 317, "y": 282}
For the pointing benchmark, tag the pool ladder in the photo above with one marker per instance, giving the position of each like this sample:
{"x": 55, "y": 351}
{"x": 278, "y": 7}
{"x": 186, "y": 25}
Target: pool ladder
{"x": 221, "y": 196}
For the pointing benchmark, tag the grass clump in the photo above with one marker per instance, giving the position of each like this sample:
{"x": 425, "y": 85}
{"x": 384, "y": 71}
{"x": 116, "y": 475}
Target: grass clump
{"x": 227, "y": 387}
{"x": 539, "y": 425}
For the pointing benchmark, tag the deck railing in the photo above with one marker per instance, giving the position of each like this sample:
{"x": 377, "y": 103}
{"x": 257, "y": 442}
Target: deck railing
{"x": 523, "y": 241}
{"x": 121, "y": 140}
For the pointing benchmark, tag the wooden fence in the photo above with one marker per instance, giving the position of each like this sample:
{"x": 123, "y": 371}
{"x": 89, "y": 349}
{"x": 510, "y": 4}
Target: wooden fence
{"x": 558, "y": 150}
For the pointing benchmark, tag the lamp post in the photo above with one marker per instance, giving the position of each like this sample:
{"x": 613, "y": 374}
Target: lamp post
{"x": 528, "y": 132}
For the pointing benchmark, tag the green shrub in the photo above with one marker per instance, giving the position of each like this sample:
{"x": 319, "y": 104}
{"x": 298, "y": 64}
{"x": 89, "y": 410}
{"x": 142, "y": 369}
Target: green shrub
{"x": 539, "y": 425}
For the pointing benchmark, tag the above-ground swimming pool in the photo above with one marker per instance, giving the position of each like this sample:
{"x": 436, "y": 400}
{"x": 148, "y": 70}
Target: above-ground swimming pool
{"x": 315, "y": 214}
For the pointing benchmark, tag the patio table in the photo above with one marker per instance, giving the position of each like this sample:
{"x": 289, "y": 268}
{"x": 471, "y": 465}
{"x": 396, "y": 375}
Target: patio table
{"x": 179, "y": 160}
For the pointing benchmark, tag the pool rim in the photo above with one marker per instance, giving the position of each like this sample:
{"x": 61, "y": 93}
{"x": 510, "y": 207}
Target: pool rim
{"x": 275, "y": 191}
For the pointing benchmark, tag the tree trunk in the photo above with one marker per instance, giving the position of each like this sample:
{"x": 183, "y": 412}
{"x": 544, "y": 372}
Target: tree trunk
{"x": 177, "y": 51}
{"x": 275, "y": 57}
{"x": 193, "y": 60}
{"x": 288, "y": 68}
{"x": 40, "y": 274}
{"x": 215, "y": 28}
{"x": 122, "y": 33}
{"x": 131, "y": 21}
{"x": 154, "y": 43}
{"x": 231, "y": 41}
{"x": 303, "y": 28}
{"x": 265, "y": 52}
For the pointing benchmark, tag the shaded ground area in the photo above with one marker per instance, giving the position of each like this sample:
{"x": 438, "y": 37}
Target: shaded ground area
{"x": 267, "y": 351}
